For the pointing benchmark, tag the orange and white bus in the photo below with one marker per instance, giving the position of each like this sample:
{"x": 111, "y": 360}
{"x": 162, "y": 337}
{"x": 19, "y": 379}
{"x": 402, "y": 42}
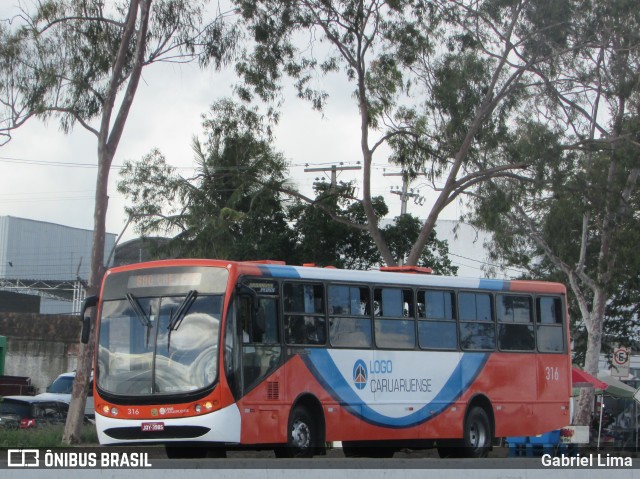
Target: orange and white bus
{"x": 223, "y": 354}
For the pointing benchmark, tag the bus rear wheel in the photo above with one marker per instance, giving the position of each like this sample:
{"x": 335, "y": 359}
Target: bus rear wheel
{"x": 302, "y": 435}
{"x": 477, "y": 439}
{"x": 477, "y": 434}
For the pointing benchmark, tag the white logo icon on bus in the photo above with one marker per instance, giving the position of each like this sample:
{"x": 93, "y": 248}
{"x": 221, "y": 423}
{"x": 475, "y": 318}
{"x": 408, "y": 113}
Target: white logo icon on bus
{"x": 360, "y": 374}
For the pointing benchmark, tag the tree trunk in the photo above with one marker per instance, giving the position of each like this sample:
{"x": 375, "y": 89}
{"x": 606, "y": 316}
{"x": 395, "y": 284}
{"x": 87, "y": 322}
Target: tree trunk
{"x": 75, "y": 418}
{"x": 584, "y": 410}
{"x": 108, "y": 140}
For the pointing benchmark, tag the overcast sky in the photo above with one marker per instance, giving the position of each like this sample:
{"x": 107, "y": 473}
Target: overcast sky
{"x": 40, "y": 176}
{"x": 49, "y": 176}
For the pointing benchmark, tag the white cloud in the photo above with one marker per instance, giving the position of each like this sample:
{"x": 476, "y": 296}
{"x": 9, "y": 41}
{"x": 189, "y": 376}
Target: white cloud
{"x": 166, "y": 114}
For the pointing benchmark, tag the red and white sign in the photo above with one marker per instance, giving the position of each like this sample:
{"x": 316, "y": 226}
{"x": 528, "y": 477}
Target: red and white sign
{"x": 620, "y": 362}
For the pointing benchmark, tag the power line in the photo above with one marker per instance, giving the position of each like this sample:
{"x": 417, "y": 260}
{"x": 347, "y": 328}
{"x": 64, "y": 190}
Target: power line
{"x": 333, "y": 169}
{"x": 70, "y": 164}
{"x": 492, "y": 265}
{"x": 66, "y": 164}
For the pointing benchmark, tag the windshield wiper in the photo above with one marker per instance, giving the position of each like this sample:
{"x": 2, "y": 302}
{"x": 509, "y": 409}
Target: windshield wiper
{"x": 137, "y": 308}
{"x": 181, "y": 312}
{"x": 175, "y": 320}
{"x": 142, "y": 316}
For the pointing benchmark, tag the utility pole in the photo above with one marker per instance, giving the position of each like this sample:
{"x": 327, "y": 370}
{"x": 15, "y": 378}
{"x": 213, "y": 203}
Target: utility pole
{"x": 404, "y": 193}
{"x": 404, "y": 196}
{"x": 334, "y": 171}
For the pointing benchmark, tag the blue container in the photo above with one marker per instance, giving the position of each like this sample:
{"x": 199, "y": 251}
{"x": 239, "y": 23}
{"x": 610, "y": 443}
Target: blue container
{"x": 517, "y": 440}
{"x": 551, "y": 437}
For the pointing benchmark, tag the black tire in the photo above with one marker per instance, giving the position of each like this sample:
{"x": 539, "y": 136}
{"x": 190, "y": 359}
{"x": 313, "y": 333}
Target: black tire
{"x": 477, "y": 439}
{"x": 477, "y": 434}
{"x": 302, "y": 435}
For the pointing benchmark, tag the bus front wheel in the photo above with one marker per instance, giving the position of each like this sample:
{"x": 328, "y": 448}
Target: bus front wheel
{"x": 301, "y": 435}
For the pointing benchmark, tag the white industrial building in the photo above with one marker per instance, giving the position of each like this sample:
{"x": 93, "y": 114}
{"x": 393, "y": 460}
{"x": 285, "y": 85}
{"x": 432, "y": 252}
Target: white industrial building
{"x": 47, "y": 260}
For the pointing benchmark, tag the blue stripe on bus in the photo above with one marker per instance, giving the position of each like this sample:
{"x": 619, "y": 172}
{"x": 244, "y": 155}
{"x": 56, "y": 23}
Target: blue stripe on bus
{"x": 495, "y": 284}
{"x": 276, "y": 271}
{"x": 326, "y": 372}
{"x": 319, "y": 274}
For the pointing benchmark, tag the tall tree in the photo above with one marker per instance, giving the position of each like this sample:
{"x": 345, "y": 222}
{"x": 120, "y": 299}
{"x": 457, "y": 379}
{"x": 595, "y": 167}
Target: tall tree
{"x": 327, "y": 242}
{"x": 323, "y": 240}
{"x": 80, "y": 62}
{"x": 579, "y": 208}
{"x": 465, "y": 63}
{"x": 231, "y": 207}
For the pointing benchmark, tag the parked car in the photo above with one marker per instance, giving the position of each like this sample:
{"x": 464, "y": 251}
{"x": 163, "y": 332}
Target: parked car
{"x": 60, "y": 390}
{"x": 16, "y": 386}
{"x": 26, "y": 412}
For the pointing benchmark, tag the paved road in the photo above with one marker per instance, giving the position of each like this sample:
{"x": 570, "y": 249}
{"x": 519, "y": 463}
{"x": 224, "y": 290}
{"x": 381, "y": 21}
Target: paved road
{"x": 334, "y": 459}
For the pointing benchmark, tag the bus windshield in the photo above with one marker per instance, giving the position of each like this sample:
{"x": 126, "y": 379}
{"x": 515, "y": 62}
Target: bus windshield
{"x": 158, "y": 344}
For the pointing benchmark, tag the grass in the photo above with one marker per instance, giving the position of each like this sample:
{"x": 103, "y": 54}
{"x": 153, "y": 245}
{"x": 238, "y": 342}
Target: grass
{"x": 44, "y": 437}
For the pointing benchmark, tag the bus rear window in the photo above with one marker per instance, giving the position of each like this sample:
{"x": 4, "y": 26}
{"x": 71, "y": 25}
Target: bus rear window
{"x": 550, "y": 329}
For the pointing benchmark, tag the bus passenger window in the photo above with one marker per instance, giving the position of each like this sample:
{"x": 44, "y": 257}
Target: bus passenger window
{"x": 349, "y": 300}
{"x": 475, "y": 307}
{"x": 515, "y": 323}
{"x": 305, "y": 330}
{"x": 304, "y": 319}
{"x": 549, "y": 330}
{"x": 303, "y": 298}
{"x": 394, "y": 323}
{"x": 349, "y": 321}
{"x": 477, "y": 329}
{"x": 436, "y": 326}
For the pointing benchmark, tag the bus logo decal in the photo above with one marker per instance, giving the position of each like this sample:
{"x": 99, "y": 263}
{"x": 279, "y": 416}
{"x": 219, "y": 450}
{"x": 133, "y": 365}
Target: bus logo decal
{"x": 345, "y": 389}
{"x": 360, "y": 374}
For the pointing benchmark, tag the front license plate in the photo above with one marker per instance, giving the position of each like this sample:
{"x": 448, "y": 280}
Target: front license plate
{"x": 152, "y": 426}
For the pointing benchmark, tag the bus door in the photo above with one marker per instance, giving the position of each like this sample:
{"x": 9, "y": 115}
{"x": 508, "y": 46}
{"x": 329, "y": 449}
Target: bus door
{"x": 259, "y": 337}
{"x": 261, "y": 350}
{"x": 259, "y": 334}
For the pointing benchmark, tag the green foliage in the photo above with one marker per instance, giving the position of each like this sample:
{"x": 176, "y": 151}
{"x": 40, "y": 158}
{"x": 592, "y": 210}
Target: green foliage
{"x": 231, "y": 208}
{"x": 58, "y": 59}
{"x": 444, "y": 84}
{"x": 402, "y": 234}
{"x": 50, "y": 436}
{"x": 575, "y": 217}
{"x": 326, "y": 242}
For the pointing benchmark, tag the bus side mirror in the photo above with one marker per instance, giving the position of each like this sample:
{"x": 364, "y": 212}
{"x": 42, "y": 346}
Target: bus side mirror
{"x": 89, "y": 302}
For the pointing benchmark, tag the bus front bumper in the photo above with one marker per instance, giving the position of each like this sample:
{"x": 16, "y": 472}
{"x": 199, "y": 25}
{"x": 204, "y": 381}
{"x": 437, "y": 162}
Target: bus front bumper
{"x": 221, "y": 426}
